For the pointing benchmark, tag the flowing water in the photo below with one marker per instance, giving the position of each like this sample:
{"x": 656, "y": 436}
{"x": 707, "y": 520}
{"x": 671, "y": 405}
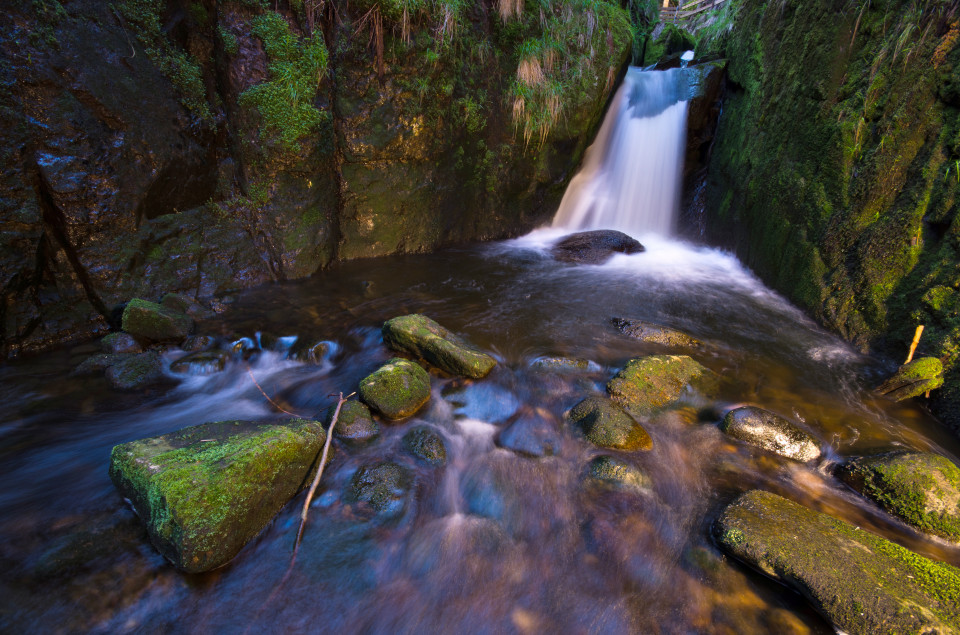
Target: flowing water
{"x": 494, "y": 541}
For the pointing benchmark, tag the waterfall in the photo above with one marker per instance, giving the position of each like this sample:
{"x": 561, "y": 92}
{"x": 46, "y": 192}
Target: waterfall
{"x": 631, "y": 175}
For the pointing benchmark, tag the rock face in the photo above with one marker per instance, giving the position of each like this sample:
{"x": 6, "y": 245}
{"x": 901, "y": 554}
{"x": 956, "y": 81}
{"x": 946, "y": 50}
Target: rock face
{"x": 656, "y": 334}
{"x": 355, "y": 425}
{"x": 617, "y": 473}
{"x": 425, "y": 444}
{"x": 913, "y": 379}
{"x": 205, "y": 491}
{"x": 859, "y": 581}
{"x": 155, "y": 322}
{"x": 771, "y": 432}
{"x": 421, "y": 336}
{"x": 649, "y": 383}
{"x": 607, "y": 426}
{"x": 921, "y": 488}
{"x": 397, "y": 389}
{"x": 594, "y": 247}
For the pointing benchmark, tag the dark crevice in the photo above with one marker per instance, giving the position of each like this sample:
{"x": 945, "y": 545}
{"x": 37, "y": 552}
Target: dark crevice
{"x": 330, "y": 38}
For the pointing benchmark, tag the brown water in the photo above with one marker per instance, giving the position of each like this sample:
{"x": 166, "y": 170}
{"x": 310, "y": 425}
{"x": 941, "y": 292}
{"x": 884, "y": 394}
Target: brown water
{"x": 492, "y": 542}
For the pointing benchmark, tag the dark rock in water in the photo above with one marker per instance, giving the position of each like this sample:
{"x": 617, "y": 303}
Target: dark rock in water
{"x": 594, "y": 247}
{"x": 202, "y": 363}
{"x": 355, "y": 425}
{"x": 606, "y": 425}
{"x": 859, "y": 581}
{"x": 611, "y": 471}
{"x": 120, "y": 343}
{"x": 649, "y": 383}
{"x": 99, "y": 362}
{"x": 155, "y": 322}
{"x": 922, "y": 488}
{"x": 245, "y": 347}
{"x": 136, "y": 371}
{"x": 205, "y": 491}
{"x": 656, "y": 334}
{"x": 384, "y": 486}
{"x": 186, "y": 305}
{"x": 309, "y": 350}
{"x": 771, "y": 432}
{"x": 913, "y": 379}
{"x": 425, "y": 444}
{"x": 564, "y": 365}
{"x": 532, "y": 434}
{"x": 197, "y": 343}
{"x": 421, "y": 336}
{"x": 397, "y": 389}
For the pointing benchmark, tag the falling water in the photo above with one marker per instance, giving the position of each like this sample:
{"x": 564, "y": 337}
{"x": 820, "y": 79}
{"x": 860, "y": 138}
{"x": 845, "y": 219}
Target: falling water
{"x": 631, "y": 175}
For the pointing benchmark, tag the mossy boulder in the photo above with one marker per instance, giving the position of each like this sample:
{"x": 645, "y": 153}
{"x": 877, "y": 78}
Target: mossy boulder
{"x": 656, "y": 334}
{"x": 120, "y": 343}
{"x": 205, "y": 491}
{"x": 913, "y": 379}
{"x": 426, "y": 445}
{"x": 355, "y": 425}
{"x": 201, "y": 363}
{"x": 383, "y": 486}
{"x": 665, "y": 40}
{"x": 594, "y": 247}
{"x": 397, "y": 389}
{"x": 613, "y": 472}
{"x": 922, "y": 488}
{"x": 135, "y": 371}
{"x": 647, "y": 384}
{"x": 859, "y": 581}
{"x": 155, "y": 322}
{"x": 419, "y": 335}
{"x": 771, "y": 432}
{"x": 606, "y": 425}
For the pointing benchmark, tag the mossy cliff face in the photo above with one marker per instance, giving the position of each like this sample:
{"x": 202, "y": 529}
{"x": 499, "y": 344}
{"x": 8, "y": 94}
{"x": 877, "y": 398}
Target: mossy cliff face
{"x": 200, "y": 146}
{"x": 836, "y": 168}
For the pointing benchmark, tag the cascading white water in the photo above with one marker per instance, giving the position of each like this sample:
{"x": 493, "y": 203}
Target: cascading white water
{"x": 631, "y": 175}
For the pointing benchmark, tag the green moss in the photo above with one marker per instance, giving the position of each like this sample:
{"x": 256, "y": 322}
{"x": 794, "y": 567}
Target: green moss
{"x": 647, "y": 384}
{"x": 397, "y": 389}
{"x": 419, "y": 335}
{"x": 150, "y": 320}
{"x": 606, "y": 425}
{"x": 229, "y": 40}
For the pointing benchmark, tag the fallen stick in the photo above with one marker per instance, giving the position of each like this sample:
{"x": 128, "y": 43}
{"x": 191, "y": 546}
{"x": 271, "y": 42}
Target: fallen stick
{"x": 913, "y": 344}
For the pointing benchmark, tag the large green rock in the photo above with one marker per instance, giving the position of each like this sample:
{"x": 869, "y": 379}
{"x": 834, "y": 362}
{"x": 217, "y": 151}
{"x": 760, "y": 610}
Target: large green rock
{"x": 421, "y": 336}
{"x": 397, "y": 389}
{"x": 205, "y": 491}
{"x": 606, "y": 425}
{"x": 859, "y": 581}
{"x": 771, "y": 432}
{"x": 920, "y": 487}
{"x": 155, "y": 322}
{"x": 913, "y": 379}
{"x": 649, "y": 383}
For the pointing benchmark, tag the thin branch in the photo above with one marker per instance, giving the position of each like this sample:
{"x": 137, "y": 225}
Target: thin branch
{"x": 266, "y": 396}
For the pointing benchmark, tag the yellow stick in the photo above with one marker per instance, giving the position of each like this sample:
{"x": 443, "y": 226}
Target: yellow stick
{"x": 913, "y": 344}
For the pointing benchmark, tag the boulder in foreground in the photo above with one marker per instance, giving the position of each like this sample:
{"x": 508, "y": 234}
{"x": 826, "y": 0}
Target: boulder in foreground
{"x": 649, "y": 383}
{"x": 397, "y": 389}
{"x": 858, "y": 580}
{"x": 419, "y": 335}
{"x": 204, "y": 492}
{"x": 771, "y": 432}
{"x": 595, "y": 247}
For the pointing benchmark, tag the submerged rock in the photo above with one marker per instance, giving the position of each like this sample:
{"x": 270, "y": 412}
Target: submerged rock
{"x": 595, "y": 247}
{"x": 135, "y": 371}
{"x": 606, "y": 425}
{"x": 532, "y": 434}
{"x": 384, "y": 486}
{"x": 564, "y": 365}
{"x": 922, "y": 488}
{"x": 202, "y": 363}
{"x": 771, "y": 432}
{"x": 425, "y": 444}
{"x": 197, "y": 343}
{"x": 649, "y": 383}
{"x": 355, "y": 425}
{"x": 120, "y": 343}
{"x": 309, "y": 350}
{"x": 614, "y": 472}
{"x": 155, "y": 322}
{"x": 913, "y": 379}
{"x": 859, "y": 581}
{"x": 421, "y": 336}
{"x": 205, "y": 491}
{"x": 397, "y": 389}
{"x": 656, "y": 334}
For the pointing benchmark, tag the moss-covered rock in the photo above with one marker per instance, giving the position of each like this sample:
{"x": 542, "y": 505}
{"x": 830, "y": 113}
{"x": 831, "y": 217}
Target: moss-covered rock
{"x": 135, "y": 371}
{"x": 861, "y": 582}
{"x": 920, "y": 487}
{"x": 913, "y": 379}
{"x": 617, "y": 473}
{"x": 647, "y": 384}
{"x": 555, "y": 364}
{"x": 606, "y": 425}
{"x": 656, "y": 334}
{"x": 419, "y": 335}
{"x": 120, "y": 343}
{"x": 667, "y": 39}
{"x": 383, "y": 486}
{"x": 397, "y": 389}
{"x": 355, "y": 425}
{"x": 155, "y": 322}
{"x": 771, "y": 432}
{"x": 201, "y": 363}
{"x": 425, "y": 444}
{"x": 205, "y": 491}
{"x": 594, "y": 247}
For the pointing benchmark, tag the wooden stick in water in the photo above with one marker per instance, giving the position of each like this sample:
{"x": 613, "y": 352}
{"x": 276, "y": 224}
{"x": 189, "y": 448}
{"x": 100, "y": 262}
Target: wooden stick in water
{"x": 913, "y": 344}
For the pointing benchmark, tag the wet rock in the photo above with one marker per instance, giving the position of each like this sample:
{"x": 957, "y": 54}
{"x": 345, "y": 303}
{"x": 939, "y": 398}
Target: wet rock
{"x": 594, "y": 247}
{"x": 771, "y": 432}
{"x": 309, "y": 350}
{"x": 617, "y": 473}
{"x": 397, "y": 389}
{"x": 155, "y": 322}
{"x": 425, "y": 444}
{"x": 355, "y": 425}
{"x": 135, "y": 371}
{"x": 649, "y": 383}
{"x": 120, "y": 343}
{"x": 606, "y": 425}
{"x": 384, "y": 486}
{"x": 197, "y": 343}
{"x": 421, "y": 336}
{"x": 205, "y": 491}
{"x": 532, "y": 434}
{"x": 859, "y": 581}
{"x": 656, "y": 334}
{"x": 913, "y": 379}
{"x": 202, "y": 363}
{"x": 244, "y": 347}
{"x": 99, "y": 363}
{"x": 180, "y": 303}
{"x": 922, "y": 488}
{"x": 564, "y": 365}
